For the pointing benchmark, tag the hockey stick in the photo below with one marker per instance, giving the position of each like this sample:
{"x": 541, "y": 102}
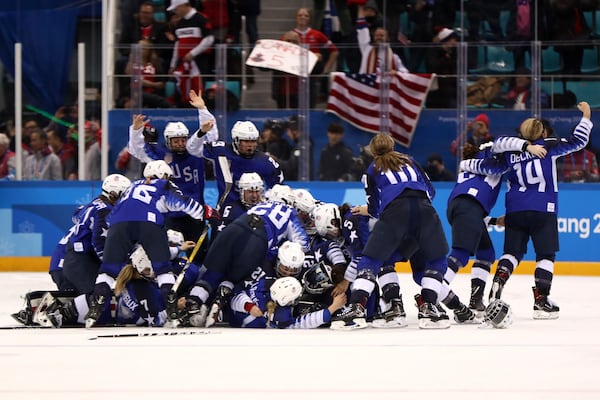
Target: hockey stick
{"x": 190, "y": 260}
{"x": 144, "y": 334}
{"x": 227, "y": 178}
{"x": 21, "y": 327}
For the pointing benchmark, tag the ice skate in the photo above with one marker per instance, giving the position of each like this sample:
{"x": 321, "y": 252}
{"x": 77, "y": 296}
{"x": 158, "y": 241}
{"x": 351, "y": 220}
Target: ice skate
{"x": 394, "y": 317}
{"x": 476, "y": 302}
{"x": 429, "y": 315}
{"x": 215, "y": 314}
{"x": 465, "y": 316}
{"x": 498, "y": 283}
{"x": 352, "y": 317}
{"x": 96, "y": 309}
{"x": 543, "y": 307}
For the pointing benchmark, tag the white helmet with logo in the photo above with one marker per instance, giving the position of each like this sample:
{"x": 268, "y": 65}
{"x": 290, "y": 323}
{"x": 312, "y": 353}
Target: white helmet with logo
{"x": 158, "y": 169}
{"x": 286, "y": 291}
{"x": 290, "y": 259}
{"x": 250, "y": 181}
{"x": 115, "y": 185}
{"x": 175, "y": 130}
{"x": 243, "y": 130}
{"x": 328, "y": 220}
{"x": 280, "y": 194}
{"x": 304, "y": 201}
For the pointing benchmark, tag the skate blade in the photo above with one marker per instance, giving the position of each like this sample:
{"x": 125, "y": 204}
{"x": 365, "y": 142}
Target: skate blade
{"x": 357, "y": 323}
{"x": 172, "y": 324}
{"x": 426, "y": 323}
{"x": 398, "y": 322}
{"x": 89, "y": 323}
{"x": 539, "y": 314}
{"x": 474, "y": 321}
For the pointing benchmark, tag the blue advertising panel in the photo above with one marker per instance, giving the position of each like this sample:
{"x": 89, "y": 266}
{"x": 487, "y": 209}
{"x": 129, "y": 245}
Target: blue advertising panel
{"x": 35, "y": 215}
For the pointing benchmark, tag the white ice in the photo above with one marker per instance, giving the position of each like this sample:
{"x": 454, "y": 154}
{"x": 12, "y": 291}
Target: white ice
{"x": 556, "y": 359}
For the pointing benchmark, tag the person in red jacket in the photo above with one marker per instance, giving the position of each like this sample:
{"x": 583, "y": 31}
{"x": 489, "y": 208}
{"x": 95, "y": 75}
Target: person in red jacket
{"x": 194, "y": 40}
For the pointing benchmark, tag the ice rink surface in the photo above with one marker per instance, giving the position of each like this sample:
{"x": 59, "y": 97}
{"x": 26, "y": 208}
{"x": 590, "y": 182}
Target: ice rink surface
{"x": 558, "y": 359}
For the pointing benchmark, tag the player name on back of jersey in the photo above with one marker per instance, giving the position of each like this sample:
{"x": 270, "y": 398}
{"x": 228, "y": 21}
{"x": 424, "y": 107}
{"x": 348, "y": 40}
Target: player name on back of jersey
{"x": 516, "y": 158}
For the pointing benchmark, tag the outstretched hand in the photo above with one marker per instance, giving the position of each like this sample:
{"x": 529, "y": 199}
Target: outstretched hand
{"x": 206, "y": 126}
{"x": 139, "y": 121}
{"x": 196, "y": 100}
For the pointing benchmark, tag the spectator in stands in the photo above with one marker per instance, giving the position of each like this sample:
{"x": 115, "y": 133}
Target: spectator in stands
{"x": 436, "y": 170}
{"x": 7, "y": 159}
{"x": 272, "y": 143}
{"x": 192, "y": 54}
{"x": 128, "y": 165}
{"x": 29, "y": 126}
{"x": 484, "y": 91}
{"x": 362, "y": 162}
{"x": 480, "y": 133}
{"x": 337, "y": 24}
{"x": 518, "y": 96}
{"x": 57, "y": 139}
{"x": 145, "y": 27}
{"x": 42, "y": 163}
{"x": 336, "y": 160}
{"x": 284, "y": 89}
{"x": 479, "y": 11}
{"x": 371, "y": 15}
{"x": 93, "y": 156}
{"x": 519, "y": 28}
{"x": 291, "y": 165}
{"x": 441, "y": 60}
{"x": 218, "y": 14}
{"x": 327, "y": 53}
{"x": 372, "y": 57}
{"x": 251, "y": 10}
{"x": 423, "y": 16}
{"x": 153, "y": 77}
{"x": 581, "y": 166}
{"x": 566, "y": 23}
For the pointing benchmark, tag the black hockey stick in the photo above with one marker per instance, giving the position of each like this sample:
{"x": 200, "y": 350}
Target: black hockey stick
{"x": 227, "y": 178}
{"x": 144, "y": 334}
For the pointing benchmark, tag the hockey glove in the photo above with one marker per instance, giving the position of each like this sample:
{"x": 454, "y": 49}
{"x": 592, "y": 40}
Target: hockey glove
{"x": 211, "y": 214}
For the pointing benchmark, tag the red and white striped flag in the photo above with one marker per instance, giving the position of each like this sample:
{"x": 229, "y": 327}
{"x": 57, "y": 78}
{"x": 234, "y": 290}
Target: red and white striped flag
{"x": 355, "y": 99}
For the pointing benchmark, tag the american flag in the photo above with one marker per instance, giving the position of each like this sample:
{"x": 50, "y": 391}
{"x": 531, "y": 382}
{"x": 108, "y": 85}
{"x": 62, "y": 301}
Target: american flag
{"x": 355, "y": 99}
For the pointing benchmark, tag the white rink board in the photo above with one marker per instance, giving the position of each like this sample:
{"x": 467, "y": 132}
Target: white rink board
{"x": 547, "y": 360}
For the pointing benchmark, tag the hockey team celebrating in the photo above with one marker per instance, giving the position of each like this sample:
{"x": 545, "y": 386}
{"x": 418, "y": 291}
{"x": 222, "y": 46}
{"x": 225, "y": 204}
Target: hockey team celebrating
{"x": 276, "y": 257}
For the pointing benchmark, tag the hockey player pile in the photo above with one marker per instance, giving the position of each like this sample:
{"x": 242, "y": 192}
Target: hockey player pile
{"x": 278, "y": 258}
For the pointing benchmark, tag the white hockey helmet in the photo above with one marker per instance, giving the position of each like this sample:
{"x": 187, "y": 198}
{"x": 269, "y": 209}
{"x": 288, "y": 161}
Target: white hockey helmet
{"x": 250, "y": 181}
{"x": 286, "y": 291}
{"x": 281, "y": 194}
{"x": 115, "y": 185}
{"x": 290, "y": 259}
{"x": 175, "y": 130}
{"x": 499, "y": 314}
{"x": 157, "y": 170}
{"x": 141, "y": 262}
{"x": 243, "y": 130}
{"x": 175, "y": 237}
{"x": 304, "y": 201}
{"x": 328, "y": 220}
